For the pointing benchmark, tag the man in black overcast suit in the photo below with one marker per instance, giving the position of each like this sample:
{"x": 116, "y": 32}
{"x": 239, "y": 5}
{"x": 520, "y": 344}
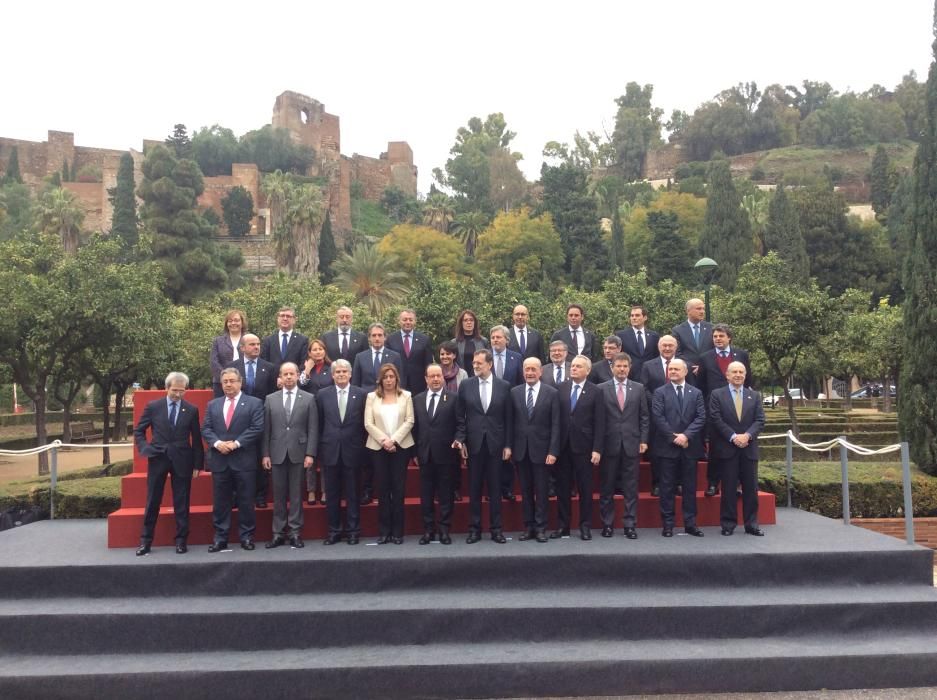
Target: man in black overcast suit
{"x": 524, "y": 339}
{"x": 558, "y": 364}
{"x": 654, "y": 376}
{"x": 602, "y": 369}
{"x": 415, "y": 350}
{"x": 344, "y": 343}
{"x": 286, "y": 345}
{"x": 639, "y": 342}
{"x": 579, "y": 340}
{"x": 694, "y": 337}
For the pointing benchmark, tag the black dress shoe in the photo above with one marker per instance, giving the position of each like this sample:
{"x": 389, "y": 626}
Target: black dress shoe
{"x": 181, "y": 548}
{"x": 217, "y": 547}
{"x": 444, "y": 538}
{"x": 498, "y": 538}
{"x": 426, "y": 538}
{"x": 383, "y": 539}
{"x": 667, "y": 532}
{"x": 260, "y": 503}
{"x": 456, "y": 497}
{"x": 693, "y": 530}
{"x": 275, "y": 542}
{"x": 248, "y": 545}
{"x": 143, "y": 550}
{"x": 296, "y": 542}
{"x": 353, "y": 539}
{"x": 510, "y": 497}
{"x": 607, "y": 532}
{"x": 631, "y": 533}
{"x": 366, "y": 499}
{"x": 472, "y": 538}
{"x": 397, "y": 540}
{"x": 557, "y": 534}
{"x": 711, "y": 490}
{"x": 756, "y": 531}
{"x": 655, "y": 491}
{"x": 727, "y": 531}
{"x": 542, "y": 537}
{"x": 332, "y": 539}
{"x": 585, "y": 533}
{"x": 529, "y": 535}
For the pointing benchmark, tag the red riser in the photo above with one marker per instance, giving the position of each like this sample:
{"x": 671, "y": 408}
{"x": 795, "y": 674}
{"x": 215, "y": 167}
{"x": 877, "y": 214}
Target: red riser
{"x": 123, "y": 526}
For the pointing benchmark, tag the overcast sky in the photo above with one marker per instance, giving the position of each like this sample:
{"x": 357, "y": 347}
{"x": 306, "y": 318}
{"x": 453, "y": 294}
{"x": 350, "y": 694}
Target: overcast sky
{"x": 115, "y": 73}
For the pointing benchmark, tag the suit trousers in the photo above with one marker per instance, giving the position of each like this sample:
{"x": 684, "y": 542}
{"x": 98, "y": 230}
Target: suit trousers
{"x": 739, "y": 469}
{"x": 507, "y": 477}
{"x": 484, "y": 467}
{"x": 155, "y": 483}
{"x": 366, "y": 478}
{"x": 573, "y": 466}
{"x": 311, "y": 479}
{"x": 614, "y": 469}
{"x": 224, "y": 485}
{"x": 436, "y": 481}
{"x": 390, "y": 470}
{"x": 534, "y": 487}
{"x": 341, "y": 481}
{"x": 287, "y": 480}
{"x": 678, "y": 470}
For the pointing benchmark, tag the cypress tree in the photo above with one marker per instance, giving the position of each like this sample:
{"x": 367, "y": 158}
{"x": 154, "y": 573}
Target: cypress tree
{"x": 617, "y": 247}
{"x": 13, "y": 167}
{"x": 727, "y": 233}
{"x": 783, "y": 234}
{"x": 65, "y": 173}
{"x": 328, "y": 252}
{"x": 880, "y": 183}
{"x": 671, "y": 255}
{"x": 124, "y": 201}
{"x": 917, "y": 410}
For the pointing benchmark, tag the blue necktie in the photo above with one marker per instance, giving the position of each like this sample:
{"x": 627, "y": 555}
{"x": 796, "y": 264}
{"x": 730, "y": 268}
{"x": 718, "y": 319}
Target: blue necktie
{"x": 696, "y": 335}
{"x": 283, "y": 341}
{"x": 680, "y": 397}
{"x": 377, "y": 363}
{"x": 574, "y": 398}
{"x": 640, "y": 343}
{"x": 523, "y": 344}
{"x": 172, "y": 413}
{"x": 250, "y": 376}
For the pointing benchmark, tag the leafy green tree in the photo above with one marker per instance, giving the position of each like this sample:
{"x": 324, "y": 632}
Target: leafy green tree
{"x": 215, "y": 148}
{"x": 468, "y": 227}
{"x": 755, "y": 205}
{"x": 179, "y": 142}
{"x": 727, "y": 234}
{"x": 399, "y": 206}
{"x": 880, "y": 181}
{"x": 529, "y": 248}
{"x": 328, "y": 252}
{"x": 274, "y": 149}
{"x": 59, "y": 213}
{"x": 13, "y": 168}
{"x": 124, "y": 222}
{"x": 297, "y": 210}
{"x": 616, "y": 249}
{"x": 690, "y": 212}
{"x": 372, "y": 277}
{"x": 438, "y": 212}
{"x": 507, "y": 185}
{"x": 16, "y": 204}
{"x": 238, "y": 210}
{"x": 423, "y": 245}
{"x": 191, "y": 262}
{"x": 783, "y": 234}
{"x": 815, "y": 95}
{"x": 588, "y": 151}
{"x": 909, "y": 94}
{"x": 671, "y": 256}
{"x": 899, "y": 223}
{"x": 637, "y": 129}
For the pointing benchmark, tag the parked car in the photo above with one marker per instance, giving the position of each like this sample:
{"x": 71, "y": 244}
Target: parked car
{"x": 870, "y": 390}
{"x": 773, "y": 400}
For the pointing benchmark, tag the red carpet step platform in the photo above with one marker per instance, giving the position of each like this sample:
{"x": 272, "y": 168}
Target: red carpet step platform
{"x": 124, "y": 525}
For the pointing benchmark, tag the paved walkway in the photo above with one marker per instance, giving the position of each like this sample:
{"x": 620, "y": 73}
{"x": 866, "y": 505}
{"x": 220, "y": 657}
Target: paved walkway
{"x": 18, "y": 468}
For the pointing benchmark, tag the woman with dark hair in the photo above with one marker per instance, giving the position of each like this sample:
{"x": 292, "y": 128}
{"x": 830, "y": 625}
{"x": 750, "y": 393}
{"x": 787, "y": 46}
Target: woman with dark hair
{"x": 224, "y": 348}
{"x": 468, "y": 340}
{"x": 448, "y": 360}
{"x": 316, "y": 374}
{"x": 388, "y": 418}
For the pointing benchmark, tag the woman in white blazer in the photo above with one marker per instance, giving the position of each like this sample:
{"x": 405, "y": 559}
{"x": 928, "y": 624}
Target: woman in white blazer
{"x": 388, "y": 418}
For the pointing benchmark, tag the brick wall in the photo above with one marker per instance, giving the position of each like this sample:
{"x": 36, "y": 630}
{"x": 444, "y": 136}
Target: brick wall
{"x": 925, "y": 529}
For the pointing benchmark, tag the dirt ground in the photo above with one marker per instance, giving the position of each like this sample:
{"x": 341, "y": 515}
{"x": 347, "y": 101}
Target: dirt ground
{"x": 17, "y": 468}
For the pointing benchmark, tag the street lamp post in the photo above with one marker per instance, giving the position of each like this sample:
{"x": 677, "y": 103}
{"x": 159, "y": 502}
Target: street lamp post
{"x": 707, "y": 267}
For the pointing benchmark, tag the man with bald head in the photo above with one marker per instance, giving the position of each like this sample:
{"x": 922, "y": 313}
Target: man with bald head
{"x": 653, "y": 376}
{"x": 736, "y": 417}
{"x": 694, "y": 337}
{"x": 524, "y": 339}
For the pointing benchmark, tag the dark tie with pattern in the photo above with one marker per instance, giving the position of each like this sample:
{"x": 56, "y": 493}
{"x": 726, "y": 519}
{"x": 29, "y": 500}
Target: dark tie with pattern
{"x": 344, "y": 351}
{"x": 284, "y": 340}
{"x": 530, "y": 401}
{"x": 574, "y": 398}
{"x": 172, "y": 413}
{"x": 432, "y": 405}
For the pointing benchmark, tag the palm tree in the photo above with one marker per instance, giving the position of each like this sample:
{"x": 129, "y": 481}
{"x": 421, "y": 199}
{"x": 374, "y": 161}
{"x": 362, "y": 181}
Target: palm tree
{"x": 372, "y": 277}
{"x": 296, "y": 215}
{"x": 756, "y": 208}
{"x": 438, "y": 212}
{"x": 469, "y": 227}
{"x": 57, "y": 211}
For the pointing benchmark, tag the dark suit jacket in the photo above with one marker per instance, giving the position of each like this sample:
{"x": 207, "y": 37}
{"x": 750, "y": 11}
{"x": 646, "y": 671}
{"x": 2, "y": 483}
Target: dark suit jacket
{"x": 589, "y": 345}
{"x": 413, "y": 374}
{"x": 180, "y": 445}
{"x": 221, "y": 356}
{"x": 357, "y": 341}
{"x": 582, "y": 431}
{"x": 601, "y": 372}
{"x": 725, "y": 422}
{"x": 294, "y": 438}
{"x": 362, "y": 374}
{"x": 711, "y": 377}
{"x": 434, "y": 436}
{"x": 534, "y": 344}
{"x": 247, "y": 427}
{"x": 549, "y": 373}
{"x": 686, "y": 348}
{"x": 670, "y": 420}
{"x": 316, "y": 381}
{"x": 493, "y": 429}
{"x": 537, "y": 435}
{"x": 341, "y": 440}
{"x": 513, "y": 367}
{"x": 629, "y": 344}
{"x": 652, "y": 377}
{"x": 296, "y": 350}
{"x": 265, "y": 377}
{"x": 624, "y": 430}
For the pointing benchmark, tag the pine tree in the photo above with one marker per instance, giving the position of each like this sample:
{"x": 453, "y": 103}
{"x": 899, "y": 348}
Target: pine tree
{"x": 124, "y": 201}
{"x": 727, "y": 233}
{"x": 617, "y": 247}
{"x": 179, "y": 142}
{"x": 783, "y": 234}
{"x": 13, "y": 168}
{"x": 880, "y": 182}
{"x": 238, "y": 210}
{"x": 671, "y": 256}
{"x": 917, "y": 410}
{"x": 328, "y": 252}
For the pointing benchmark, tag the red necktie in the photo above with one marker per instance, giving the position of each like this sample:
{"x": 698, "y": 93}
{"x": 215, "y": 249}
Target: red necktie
{"x": 229, "y": 414}
{"x": 621, "y": 397}
{"x": 406, "y": 344}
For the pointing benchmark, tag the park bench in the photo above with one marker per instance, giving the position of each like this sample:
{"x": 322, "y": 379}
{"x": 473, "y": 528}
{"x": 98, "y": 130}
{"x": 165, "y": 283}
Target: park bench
{"x": 84, "y": 431}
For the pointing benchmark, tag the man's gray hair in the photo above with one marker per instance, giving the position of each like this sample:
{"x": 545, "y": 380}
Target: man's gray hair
{"x": 342, "y": 363}
{"x": 175, "y": 378}
{"x": 230, "y": 370}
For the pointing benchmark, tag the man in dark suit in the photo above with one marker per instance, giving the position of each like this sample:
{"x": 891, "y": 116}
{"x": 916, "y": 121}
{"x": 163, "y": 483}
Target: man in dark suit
{"x": 260, "y": 379}
{"x": 174, "y": 448}
{"x": 626, "y": 427}
{"x": 233, "y": 425}
{"x": 341, "y": 450}
{"x": 579, "y": 340}
{"x": 694, "y": 337}
{"x": 712, "y": 375}
{"x": 639, "y": 342}
{"x": 485, "y": 404}
{"x": 508, "y": 365}
{"x": 286, "y": 345}
{"x": 415, "y": 350}
{"x": 344, "y": 343}
{"x": 291, "y": 436}
{"x": 524, "y": 339}
{"x": 602, "y": 369}
{"x": 556, "y": 371}
{"x": 536, "y": 445}
{"x": 737, "y": 417}
{"x": 654, "y": 376}
{"x": 679, "y": 417}
{"x": 582, "y": 433}
{"x": 436, "y": 428}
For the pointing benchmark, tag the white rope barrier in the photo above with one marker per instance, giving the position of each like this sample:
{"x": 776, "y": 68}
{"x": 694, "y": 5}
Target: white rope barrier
{"x": 829, "y": 444}
{"x": 58, "y": 444}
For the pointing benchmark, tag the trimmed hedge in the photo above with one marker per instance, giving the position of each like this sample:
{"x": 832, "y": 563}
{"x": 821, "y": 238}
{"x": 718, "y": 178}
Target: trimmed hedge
{"x": 83, "y": 493}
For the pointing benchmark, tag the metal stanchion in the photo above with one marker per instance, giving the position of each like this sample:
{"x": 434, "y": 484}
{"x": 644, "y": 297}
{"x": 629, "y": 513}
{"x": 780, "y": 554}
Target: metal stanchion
{"x": 908, "y": 508}
{"x": 844, "y": 465}
{"x": 53, "y": 475}
{"x": 790, "y": 467}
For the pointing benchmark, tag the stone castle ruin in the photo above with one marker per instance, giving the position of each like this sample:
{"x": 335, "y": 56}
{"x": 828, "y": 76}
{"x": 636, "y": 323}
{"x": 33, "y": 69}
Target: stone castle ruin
{"x": 305, "y": 119}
